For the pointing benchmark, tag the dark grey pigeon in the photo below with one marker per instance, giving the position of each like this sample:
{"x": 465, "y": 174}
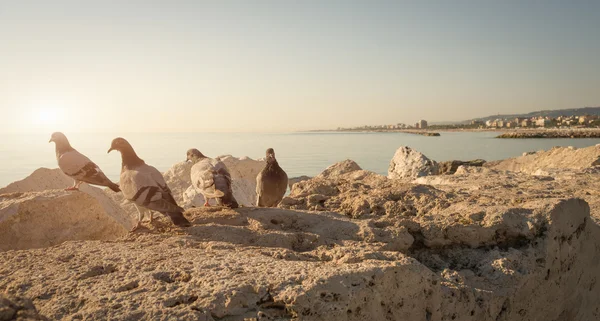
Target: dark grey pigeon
{"x": 271, "y": 182}
{"x": 78, "y": 166}
{"x": 211, "y": 178}
{"x": 145, "y": 187}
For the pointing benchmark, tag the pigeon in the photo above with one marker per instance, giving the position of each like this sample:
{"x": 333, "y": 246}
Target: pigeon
{"x": 77, "y": 166}
{"x": 145, "y": 187}
{"x": 211, "y": 178}
{"x": 271, "y": 182}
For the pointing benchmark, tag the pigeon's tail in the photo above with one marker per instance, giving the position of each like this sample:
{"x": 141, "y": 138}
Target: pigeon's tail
{"x": 178, "y": 219}
{"x": 114, "y": 187}
{"x": 230, "y": 201}
{"x": 214, "y": 193}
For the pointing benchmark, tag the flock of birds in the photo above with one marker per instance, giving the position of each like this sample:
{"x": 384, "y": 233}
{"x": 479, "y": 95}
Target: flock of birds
{"x": 145, "y": 186}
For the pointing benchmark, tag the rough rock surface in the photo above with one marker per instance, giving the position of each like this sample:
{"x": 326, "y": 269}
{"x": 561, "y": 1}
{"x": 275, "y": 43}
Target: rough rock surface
{"x": 294, "y": 180}
{"x": 179, "y": 180}
{"x": 44, "y": 179}
{"x": 450, "y": 167}
{"x": 243, "y": 176}
{"x": 14, "y": 308}
{"x": 482, "y": 244}
{"x": 556, "y": 158}
{"x": 41, "y": 219}
{"x": 410, "y": 163}
{"x": 337, "y": 169}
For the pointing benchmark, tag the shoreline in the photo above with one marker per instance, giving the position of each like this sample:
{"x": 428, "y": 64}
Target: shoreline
{"x": 505, "y": 133}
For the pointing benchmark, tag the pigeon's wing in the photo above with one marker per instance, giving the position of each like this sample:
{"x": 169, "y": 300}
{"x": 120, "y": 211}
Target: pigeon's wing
{"x": 282, "y": 183}
{"x": 75, "y": 164}
{"x": 146, "y": 187}
{"x": 79, "y": 167}
{"x": 259, "y": 183}
{"x": 203, "y": 179}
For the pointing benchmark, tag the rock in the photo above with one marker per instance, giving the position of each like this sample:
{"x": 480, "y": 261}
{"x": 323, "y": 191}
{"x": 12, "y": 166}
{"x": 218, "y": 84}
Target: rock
{"x": 294, "y": 180}
{"x": 450, "y": 167}
{"x": 44, "y": 179}
{"x": 243, "y": 175}
{"x": 483, "y": 244}
{"x": 41, "y": 219}
{"x": 17, "y": 308}
{"x": 409, "y": 163}
{"x": 555, "y": 158}
{"x": 178, "y": 179}
{"x": 340, "y": 168}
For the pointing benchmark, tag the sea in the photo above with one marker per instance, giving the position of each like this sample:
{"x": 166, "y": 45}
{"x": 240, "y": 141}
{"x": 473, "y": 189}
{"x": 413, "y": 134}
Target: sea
{"x": 301, "y": 153}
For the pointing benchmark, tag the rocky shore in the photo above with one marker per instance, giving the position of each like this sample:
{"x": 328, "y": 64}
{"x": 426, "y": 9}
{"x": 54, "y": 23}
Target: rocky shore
{"x": 406, "y": 131}
{"x": 554, "y": 133}
{"x": 511, "y": 240}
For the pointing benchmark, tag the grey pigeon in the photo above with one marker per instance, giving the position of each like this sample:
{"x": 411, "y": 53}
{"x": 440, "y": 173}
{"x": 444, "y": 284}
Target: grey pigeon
{"x": 145, "y": 187}
{"x": 77, "y": 166}
{"x": 211, "y": 178}
{"x": 271, "y": 182}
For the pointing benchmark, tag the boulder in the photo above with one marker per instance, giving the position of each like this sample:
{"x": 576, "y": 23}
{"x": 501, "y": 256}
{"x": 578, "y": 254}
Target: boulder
{"x": 555, "y": 158}
{"x": 409, "y": 163}
{"x": 243, "y": 176}
{"x": 42, "y": 219}
{"x": 178, "y": 179}
{"x": 18, "y": 308}
{"x": 340, "y": 168}
{"x": 450, "y": 167}
{"x": 44, "y": 179}
{"x": 294, "y": 180}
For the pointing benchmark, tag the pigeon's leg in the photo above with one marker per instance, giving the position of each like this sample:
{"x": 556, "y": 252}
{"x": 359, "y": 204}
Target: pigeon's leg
{"x": 150, "y": 214}
{"x": 75, "y": 186}
{"x": 140, "y": 216}
{"x": 206, "y": 203}
{"x": 258, "y": 202}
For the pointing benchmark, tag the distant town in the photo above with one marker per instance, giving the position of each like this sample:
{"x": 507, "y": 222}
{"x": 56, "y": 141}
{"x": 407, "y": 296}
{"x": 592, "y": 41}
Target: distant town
{"x": 574, "y": 121}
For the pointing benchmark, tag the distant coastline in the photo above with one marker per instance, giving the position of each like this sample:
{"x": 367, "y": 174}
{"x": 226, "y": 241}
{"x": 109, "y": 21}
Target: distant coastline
{"x": 506, "y": 133}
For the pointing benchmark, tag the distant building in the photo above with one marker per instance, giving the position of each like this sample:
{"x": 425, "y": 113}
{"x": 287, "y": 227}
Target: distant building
{"x": 542, "y": 122}
{"x": 422, "y": 124}
{"x": 500, "y": 123}
{"x": 526, "y": 123}
{"x": 477, "y": 123}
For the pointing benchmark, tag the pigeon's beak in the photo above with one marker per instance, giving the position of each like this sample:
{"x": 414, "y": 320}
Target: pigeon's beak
{"x": 110, "y": 150}
{"x": 50, "y": 141}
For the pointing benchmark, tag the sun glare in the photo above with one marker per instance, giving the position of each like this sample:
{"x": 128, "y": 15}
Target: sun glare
{"x": 46, "y": 116}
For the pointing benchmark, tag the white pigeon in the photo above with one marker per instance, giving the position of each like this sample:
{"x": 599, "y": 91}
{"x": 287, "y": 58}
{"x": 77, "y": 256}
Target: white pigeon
{"x": 77, "y": 166}
{"x": 211, "y": 178}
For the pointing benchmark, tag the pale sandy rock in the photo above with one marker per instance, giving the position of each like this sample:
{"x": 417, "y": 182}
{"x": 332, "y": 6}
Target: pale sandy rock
{"x": 294, "y": 180}
{"x": 537, "y": 264}
{"x": 40, "y": 219}
{"x": 243, "y": 175}
{"x": 409, "y": 163}
{"x": 178, "y": 179}
{"x": 15, "y": 308}
{"x": 44, "y": 179}
{"x": 555, "y": 158}
{"x": 482, "y": 244}
{"x": 340, "y": 168}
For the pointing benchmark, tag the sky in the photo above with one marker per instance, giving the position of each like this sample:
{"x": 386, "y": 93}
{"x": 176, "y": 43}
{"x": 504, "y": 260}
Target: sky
{"x": 245, "y": 66}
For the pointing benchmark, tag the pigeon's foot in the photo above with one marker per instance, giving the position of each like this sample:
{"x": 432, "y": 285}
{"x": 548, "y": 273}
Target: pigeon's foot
{"x": 206, "y": 204}
{"x": 72, "y": 188}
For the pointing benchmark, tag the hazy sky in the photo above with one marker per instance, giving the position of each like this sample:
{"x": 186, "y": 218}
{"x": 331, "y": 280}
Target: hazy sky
{"x": 289, "y": 65}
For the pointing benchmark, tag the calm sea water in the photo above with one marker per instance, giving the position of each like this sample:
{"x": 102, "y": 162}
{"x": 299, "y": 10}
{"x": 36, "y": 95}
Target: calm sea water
{"x": 298, "y": 153}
